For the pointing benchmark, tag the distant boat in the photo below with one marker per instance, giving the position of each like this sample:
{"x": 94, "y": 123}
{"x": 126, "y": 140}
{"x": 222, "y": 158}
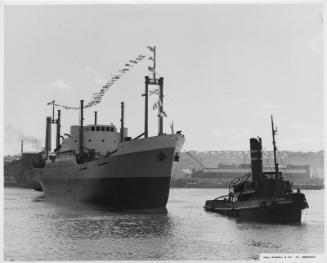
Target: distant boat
{"x": 19, "y": 172}
{"x": 261, "y": 196}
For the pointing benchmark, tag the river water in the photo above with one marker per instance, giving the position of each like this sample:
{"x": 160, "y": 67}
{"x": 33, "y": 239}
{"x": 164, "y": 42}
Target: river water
{"x": 38, "y": 229}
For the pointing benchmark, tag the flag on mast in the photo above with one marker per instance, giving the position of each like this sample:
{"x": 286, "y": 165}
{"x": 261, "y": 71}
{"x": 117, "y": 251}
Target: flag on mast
{"x": 155, "y": 91}
{"x": 150, "y": 48}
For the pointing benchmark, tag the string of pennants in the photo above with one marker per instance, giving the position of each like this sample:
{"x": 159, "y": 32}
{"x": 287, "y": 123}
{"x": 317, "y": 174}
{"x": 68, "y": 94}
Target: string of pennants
{"x": 97, "y": 96}
{"x": 158, "y": 104}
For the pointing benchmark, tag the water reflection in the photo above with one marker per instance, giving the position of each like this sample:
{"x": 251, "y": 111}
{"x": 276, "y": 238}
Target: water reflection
{"x": 114, "y": 225}
{"x": 78, "y": 220}
{"x": 78, "y": 231}
{"x": 254, "y": 222}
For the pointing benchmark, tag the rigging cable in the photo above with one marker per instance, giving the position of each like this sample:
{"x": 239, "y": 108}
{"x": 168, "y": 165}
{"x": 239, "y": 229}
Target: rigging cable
{"x": 188, "y": 153}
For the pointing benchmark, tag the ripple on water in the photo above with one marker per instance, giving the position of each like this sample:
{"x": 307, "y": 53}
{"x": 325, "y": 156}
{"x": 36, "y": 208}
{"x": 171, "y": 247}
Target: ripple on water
{"x": 41, "y": 229}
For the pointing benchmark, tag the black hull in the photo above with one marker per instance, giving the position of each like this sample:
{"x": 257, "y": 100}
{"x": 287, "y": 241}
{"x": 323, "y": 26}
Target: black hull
{"x": 288, "y": 210}
{"x": 122, "y": 193}
{"x": 285, "y": 214}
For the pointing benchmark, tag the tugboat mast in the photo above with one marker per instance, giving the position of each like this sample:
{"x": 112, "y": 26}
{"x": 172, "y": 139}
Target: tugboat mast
{"x": 274, "y": 131}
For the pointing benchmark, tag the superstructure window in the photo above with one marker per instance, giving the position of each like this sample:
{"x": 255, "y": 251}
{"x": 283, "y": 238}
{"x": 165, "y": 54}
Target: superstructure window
{"x": 107, "y": 129}
{"x": 98, "y": 128}
{"x": 92, "y": 128}
{"x": 102, "y": 129}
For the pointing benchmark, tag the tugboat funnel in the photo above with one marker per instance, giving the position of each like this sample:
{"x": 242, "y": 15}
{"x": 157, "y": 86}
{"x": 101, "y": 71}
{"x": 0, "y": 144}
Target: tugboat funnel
{"x": 256, "y": 160}
{"x": 48, "y": 136}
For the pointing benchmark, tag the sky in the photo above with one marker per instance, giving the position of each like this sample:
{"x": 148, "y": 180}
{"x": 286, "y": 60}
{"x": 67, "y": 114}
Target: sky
{"x": 226, "y": 69}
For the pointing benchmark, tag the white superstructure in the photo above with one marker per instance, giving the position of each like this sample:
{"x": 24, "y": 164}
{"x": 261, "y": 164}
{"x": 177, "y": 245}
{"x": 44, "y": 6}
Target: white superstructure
{"x": 100, "y": 138}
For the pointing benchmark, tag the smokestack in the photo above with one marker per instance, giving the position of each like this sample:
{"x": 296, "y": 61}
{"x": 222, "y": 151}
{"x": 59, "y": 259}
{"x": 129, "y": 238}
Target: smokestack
{"x": 95, "y": 118}
{"x": 58, "y": 130}
{"x": 22, "y": 147}
{"x": 48, "y": 136}
{"x": 122, "y": 122}
{"x": 256, "y": 160}
{"x": 81, "y": 134}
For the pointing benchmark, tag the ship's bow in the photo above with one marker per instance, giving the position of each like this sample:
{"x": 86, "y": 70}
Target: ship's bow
{"x": 138, "y": 175}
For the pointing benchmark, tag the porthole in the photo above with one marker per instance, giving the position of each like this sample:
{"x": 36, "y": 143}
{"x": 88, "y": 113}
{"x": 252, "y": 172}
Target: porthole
{"x": 102, "y": 140}
{"x": 89, "y": 140}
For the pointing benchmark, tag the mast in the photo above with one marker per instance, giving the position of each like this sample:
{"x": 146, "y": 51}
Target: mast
{"x": 274, "y": 131}
{"x": 95, "y": 118}
{"x": 58, "y": 122}
{"x": 53, "y": 104}
{"x": 122, "y": 122}
{"x": 160, "y": 108}
{"x": 146, "y": 103}
{"x": 154, "y": 62}
{"x": 159, "y": 104}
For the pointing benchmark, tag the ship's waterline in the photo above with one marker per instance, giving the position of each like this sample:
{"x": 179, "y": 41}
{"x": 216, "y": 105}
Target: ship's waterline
{"x": 131, "y": 193}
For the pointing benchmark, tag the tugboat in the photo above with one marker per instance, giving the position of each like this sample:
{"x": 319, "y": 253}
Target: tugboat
{"x": 102, "y": 164}
{"x": 261, "y": 196}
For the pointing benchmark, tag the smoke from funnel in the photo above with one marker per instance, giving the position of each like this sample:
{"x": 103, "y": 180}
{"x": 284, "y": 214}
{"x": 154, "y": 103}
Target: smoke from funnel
{"x": 34, "y": 142}
{"x": 14, "y": 135}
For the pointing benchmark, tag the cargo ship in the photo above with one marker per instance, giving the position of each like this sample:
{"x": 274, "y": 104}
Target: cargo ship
{"x": 261, "y": 196}
{"x": 102, "y": 164}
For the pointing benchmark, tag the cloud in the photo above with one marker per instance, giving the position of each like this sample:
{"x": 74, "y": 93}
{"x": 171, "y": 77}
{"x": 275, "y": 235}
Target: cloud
{"x": 92, "y": 74}
{"x": 267, "y": 106}
{"x": 34, "y": 142}
{"x": 316, "y": 131}
{"x": 316, "y": 44}
{"x": 231, "y": 135}
{"x": 299, "y": 126}
{"x": 11, "y": 133}
{"x": 59, "y": 85}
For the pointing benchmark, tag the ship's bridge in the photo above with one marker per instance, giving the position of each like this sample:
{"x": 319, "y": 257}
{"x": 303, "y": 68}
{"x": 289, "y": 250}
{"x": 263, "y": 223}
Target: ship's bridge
{"x": 101, "y": 138}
